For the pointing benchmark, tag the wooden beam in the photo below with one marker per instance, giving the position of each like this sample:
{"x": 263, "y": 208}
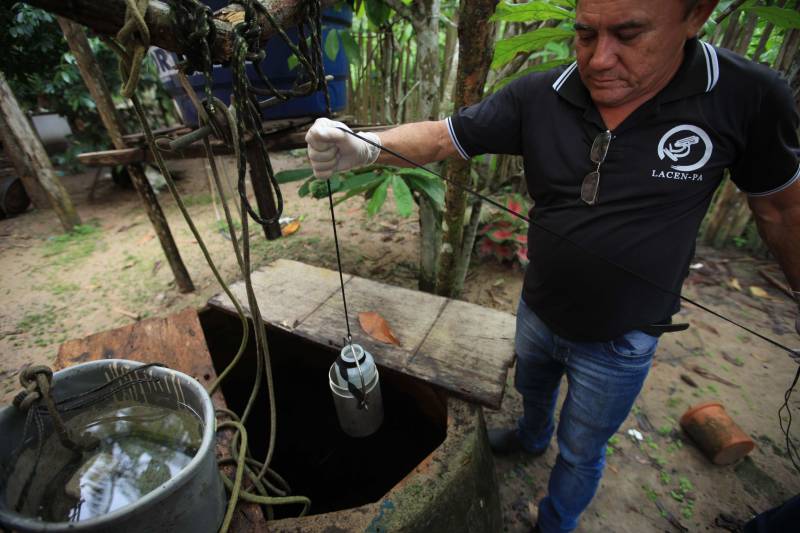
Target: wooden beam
{"x": 106, "y": 17}
{"x": 112, "y": 158}
{"x": 27, "y": 140}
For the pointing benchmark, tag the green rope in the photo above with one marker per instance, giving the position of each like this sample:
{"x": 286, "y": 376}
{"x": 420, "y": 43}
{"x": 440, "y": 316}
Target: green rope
{"x": 244, "y": 116}
{"x": 134, "y": 38}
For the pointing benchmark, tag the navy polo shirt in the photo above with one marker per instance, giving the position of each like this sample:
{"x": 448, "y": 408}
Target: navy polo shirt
{"x": 720, "y": 111}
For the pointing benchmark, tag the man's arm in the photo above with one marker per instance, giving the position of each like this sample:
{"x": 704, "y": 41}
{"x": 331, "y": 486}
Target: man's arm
{"x": 778, "y": 218}
{"x": 423, "y": 142}
{"x": 331, "y": 150}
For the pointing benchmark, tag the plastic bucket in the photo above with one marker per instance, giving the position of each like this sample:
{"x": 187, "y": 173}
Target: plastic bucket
{"x": 275, "y": 67}
{"x": 717, "y": 435}
{"x": 192, "y": 500}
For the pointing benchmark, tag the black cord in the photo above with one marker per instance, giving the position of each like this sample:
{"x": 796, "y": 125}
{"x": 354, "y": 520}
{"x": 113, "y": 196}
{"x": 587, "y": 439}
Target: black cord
{"x": 791, "y": 447}
{"x": 339, "y": 261}
{"x": 793, "y": 353}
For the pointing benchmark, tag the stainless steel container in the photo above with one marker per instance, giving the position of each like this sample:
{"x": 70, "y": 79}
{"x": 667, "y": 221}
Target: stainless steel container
{"x": 192, "y": 500}
{"x": 356, "y": 389}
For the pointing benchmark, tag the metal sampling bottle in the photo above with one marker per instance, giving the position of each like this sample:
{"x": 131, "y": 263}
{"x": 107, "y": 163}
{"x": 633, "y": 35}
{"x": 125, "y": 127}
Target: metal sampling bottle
{"x": 356, "y": 390}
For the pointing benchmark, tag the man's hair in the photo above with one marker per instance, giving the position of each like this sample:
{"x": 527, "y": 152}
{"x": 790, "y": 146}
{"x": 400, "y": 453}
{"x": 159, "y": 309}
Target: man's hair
{"x": 688, "y": 6}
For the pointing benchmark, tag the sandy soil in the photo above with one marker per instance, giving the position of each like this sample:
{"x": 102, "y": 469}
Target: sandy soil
{"x": 55, "y": 288}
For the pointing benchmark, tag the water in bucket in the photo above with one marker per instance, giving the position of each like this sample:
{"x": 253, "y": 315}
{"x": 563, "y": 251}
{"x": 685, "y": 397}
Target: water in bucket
{"x": 141, "y": 447}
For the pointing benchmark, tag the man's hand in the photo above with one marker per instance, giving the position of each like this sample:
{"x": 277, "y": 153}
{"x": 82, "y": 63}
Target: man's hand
{"x": 332, "y": 150}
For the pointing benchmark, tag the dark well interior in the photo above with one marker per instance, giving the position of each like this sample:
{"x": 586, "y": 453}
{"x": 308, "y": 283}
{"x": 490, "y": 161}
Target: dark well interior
{"x": 312, "y": 453}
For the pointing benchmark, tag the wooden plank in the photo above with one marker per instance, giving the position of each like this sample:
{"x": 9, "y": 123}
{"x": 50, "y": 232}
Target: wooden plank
{"x": 410, "y": 314}
{"x": 176, "y": 341}
{"x": 468, "y": 351}
{"x": 110, "y": 158}
{"x": 286, "y": 291}
{"x": 461, "y": 347}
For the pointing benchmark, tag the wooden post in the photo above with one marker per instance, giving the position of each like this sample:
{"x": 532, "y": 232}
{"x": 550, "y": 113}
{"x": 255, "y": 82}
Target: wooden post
{"x": 27, "y": 141}
{"x": 23, "y": 167}
{"x": 93, "y": 78}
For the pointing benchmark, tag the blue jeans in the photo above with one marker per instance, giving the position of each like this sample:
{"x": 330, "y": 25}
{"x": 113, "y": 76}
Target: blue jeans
{"x": 604, "y": 379}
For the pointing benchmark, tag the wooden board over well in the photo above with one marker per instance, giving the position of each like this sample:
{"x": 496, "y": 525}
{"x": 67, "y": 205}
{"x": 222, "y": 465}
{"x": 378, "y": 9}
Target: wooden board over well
{"x": 461, "y": 347}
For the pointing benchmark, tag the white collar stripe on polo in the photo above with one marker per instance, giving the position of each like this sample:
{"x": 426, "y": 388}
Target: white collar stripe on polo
{"x": 712, "y": 65}
{"x": 564, "y": 75}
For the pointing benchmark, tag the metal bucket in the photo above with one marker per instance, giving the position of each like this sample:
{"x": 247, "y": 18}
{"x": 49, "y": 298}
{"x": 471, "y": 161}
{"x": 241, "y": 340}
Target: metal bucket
{"x": 192, "y": 500}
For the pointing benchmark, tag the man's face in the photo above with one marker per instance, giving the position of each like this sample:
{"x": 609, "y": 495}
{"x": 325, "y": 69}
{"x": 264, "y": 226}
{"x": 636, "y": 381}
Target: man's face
{"x": 628, "y": 49}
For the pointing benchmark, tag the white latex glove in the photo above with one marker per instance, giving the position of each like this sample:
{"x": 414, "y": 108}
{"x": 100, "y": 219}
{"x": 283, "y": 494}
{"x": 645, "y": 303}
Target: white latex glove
{"x": 331, "y": 150}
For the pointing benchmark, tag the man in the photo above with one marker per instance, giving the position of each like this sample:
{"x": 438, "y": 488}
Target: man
{"x": 623, "y": 151}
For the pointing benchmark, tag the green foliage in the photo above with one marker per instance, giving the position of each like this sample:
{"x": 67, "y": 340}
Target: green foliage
{"x": 332, "y": 44}
{"x": 373, "y": 183}
{"x": 379, "y": 197}
{"x": 378, "y": 12}
{"x": 403, "y": 198}
{"x": 351, "y": 49}
{"x": 78, "y": 244}
{"x": 531, "y": 41}
{"x": 783, "y": 18}
{"x": 44, "y": 76}
{"x": 532, "y": 11}
{"x": 297, "y": 174}
{"x": 541, "y": 67}
{"x": 650, "y": 493}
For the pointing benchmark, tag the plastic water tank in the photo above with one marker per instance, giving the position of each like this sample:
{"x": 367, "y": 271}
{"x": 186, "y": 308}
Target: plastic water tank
{"x": 275, "y": 67}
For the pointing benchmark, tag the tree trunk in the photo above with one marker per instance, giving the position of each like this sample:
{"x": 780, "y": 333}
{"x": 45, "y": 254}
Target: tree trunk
{"x": 93, "y": 78}
{"x": 26, "y": 139}
{"x": 23, "y": 167}
{"x": 430, "y": 239}
{"x": 426, "y": 28}
{"x": 476, "y": 46}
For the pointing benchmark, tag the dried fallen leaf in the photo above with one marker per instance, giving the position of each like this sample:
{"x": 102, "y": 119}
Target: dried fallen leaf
{"x": 147, "y": 238}
{"x": 733, "y": 283}
{"x": 290, "y": 228}
{"x": 758, "y": 292}
{"x": 376, "y": 327}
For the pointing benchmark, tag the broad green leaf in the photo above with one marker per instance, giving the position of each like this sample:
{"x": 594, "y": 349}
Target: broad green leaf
{"x": 351, "y": 49}
{"x": 536, "y": 68}
{"x": 305, "y": 188}
{"x": 378, "y": 198}
{"x": 507, "y": 49}
{"x": 292, "y": 62}
{"x": 414, "y": 172}
{"x": 377, "y": 12}
{"x": 402, "y": 197}
{"x": 286, "y": 176}
{"x": 530, "y": 12}
{"x": 786, "y": 19}
{"x": 332, "y": 44}
{"x": 433, "y": 188}
{"x": 359, "y": 181}
{"x": 364, "y": 189}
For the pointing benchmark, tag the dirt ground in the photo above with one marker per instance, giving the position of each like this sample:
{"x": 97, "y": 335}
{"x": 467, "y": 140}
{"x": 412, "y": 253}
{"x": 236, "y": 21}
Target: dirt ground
{"x": 55, "y": 288}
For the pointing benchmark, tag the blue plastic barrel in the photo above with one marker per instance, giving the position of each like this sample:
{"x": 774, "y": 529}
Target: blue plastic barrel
{"x": 275, "y": 66}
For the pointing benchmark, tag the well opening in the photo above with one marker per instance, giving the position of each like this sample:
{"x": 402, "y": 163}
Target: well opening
{"x": 312, "y": 453}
